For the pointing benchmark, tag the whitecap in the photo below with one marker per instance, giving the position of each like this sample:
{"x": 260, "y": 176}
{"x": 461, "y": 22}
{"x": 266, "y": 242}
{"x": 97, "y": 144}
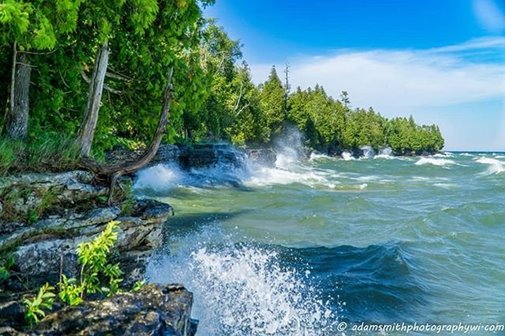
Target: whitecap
{"x": 495, "y": 166}
{"x": 434, "y": 161}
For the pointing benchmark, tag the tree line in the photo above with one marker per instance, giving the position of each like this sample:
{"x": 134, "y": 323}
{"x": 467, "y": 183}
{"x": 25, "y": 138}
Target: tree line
{"x": 100, "y": 72}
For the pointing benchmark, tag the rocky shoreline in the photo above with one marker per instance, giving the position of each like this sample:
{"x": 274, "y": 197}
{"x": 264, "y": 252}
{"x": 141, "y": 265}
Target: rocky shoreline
{"x": 43, "y": 217}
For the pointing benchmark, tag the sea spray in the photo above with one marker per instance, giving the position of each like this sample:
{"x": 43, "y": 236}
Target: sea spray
{"x": 385, "y": 153}
{"x": 242, "y": 288}
{"x": 289, "y": 147}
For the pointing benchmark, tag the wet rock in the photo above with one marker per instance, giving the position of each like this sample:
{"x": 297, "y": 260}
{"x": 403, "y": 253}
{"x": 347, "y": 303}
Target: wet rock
{"x": 10, "y": 312}
{"x": 207, "y": 155}
{"x": 153, "y": 310}
{"x": 166, "y": 153}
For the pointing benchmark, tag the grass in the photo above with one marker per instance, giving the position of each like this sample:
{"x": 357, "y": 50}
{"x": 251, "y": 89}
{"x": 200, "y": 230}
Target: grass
{"x": 41, "y": 154}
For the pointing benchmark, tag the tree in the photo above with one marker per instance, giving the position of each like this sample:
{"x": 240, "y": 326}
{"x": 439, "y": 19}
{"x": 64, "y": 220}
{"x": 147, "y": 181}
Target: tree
{"x": 272, "y": 94}
{"x": 27, "y": 27}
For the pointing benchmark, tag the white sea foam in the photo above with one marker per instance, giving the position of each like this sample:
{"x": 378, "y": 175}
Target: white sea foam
{"x": 347, "y": 156}
{"x": 242, "y": 289}
{"x": 466, "y": 154}
{"x": 434, "y": 161}
{"x": 495, "y": 166}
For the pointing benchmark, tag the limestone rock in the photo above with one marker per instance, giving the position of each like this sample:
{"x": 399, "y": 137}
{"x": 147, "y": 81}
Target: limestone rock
{"x": 153, "y": 310}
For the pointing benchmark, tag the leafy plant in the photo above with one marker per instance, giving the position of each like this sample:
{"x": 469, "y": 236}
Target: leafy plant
{"x": 42, "y": 301}
{"x": 70, "y": 292}
{"x": 95, "y": 267}
{"x": 138, "y": 285}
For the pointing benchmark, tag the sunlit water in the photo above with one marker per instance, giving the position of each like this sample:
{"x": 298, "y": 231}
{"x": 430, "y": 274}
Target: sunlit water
{"x": 298, "y": 248}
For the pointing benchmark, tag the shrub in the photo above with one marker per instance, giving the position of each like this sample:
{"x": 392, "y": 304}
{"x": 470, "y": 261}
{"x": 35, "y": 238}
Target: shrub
{"x": 95, "y": 267}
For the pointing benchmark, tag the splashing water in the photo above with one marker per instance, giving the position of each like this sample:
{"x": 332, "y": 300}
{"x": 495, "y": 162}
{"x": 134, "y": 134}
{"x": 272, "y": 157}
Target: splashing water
{"x": 368, "y": 152}
{"x": 347, "y": 156}
{"x": 385, "y": 153}
{"x": 242, "y": 289}
{"x": 289, "y": 148}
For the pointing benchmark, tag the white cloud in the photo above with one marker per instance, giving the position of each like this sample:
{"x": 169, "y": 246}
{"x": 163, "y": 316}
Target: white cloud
{"x": 401, "y": 82}
{"x": 392, "y": 79}
{"x": 490, "y": 15}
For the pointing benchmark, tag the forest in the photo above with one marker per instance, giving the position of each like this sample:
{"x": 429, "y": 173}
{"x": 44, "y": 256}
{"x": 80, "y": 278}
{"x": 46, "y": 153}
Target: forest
{"x": 81, "y": 77}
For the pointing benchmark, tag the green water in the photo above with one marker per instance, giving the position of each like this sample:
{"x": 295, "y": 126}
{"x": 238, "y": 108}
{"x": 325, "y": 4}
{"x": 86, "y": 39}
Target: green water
{"x": 385, "y": 239}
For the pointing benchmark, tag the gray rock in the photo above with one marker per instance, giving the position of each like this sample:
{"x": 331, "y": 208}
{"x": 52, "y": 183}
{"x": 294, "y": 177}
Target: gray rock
{"x": 166, "y": 153}
{"x": 153, "y": 310}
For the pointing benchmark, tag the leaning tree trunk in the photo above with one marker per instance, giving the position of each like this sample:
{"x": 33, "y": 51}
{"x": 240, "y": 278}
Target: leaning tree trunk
{"x": 113, "y": 172}
{"x": 88, "y": 125}
{"x": 16, "y": 117}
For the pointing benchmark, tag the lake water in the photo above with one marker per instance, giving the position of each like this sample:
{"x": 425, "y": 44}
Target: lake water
{"x": 301, "y": 247}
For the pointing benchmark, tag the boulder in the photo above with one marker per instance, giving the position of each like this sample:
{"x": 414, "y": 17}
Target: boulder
{"x": 152, "y": 310}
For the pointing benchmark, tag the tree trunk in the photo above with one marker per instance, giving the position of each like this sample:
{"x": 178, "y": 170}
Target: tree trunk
{"x": 88, "y": 125}
{"x": 16, "y": 117}
{"x": 113, "y": 172}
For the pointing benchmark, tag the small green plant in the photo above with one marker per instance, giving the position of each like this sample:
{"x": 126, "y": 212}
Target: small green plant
{"x": 32, "y": 216}
{"x": 42, "y": 301}
{"x": 95, "y": 267}
{"x": 138, "y": 285}
{"x": 70, "y": 291}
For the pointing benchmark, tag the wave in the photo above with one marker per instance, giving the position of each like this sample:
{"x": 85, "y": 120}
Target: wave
{"x": 242, "y": 289}
{"x": 385, "y": 153}
{"x": 434, "y": 161}
{"x": 495, "y": 166}
{"x": 443, "y": 155}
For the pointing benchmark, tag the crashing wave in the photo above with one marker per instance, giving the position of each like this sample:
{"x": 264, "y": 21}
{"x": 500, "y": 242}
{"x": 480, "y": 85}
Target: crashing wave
{"x": 242, "y": 289}
{"x": 434, "y": 161}
{"x": 495, "y": 166}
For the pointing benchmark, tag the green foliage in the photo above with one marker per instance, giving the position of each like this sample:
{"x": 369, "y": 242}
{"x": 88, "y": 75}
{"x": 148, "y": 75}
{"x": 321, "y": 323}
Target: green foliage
{"x": 97, "y": 274}
{"x": 138, "y": 285}
{"x": 48, "y": 152}
{"x": 70, "y": 292}
{"x": 42, "y": 301}
{"x": 214, "y": 98}
{"x": 272, "y": 95}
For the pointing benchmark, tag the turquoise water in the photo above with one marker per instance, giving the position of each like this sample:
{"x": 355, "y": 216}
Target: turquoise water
{"x": 298, "y": 248}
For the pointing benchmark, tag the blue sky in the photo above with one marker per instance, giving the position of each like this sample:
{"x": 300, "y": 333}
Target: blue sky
{"x": 443, "y": 61}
